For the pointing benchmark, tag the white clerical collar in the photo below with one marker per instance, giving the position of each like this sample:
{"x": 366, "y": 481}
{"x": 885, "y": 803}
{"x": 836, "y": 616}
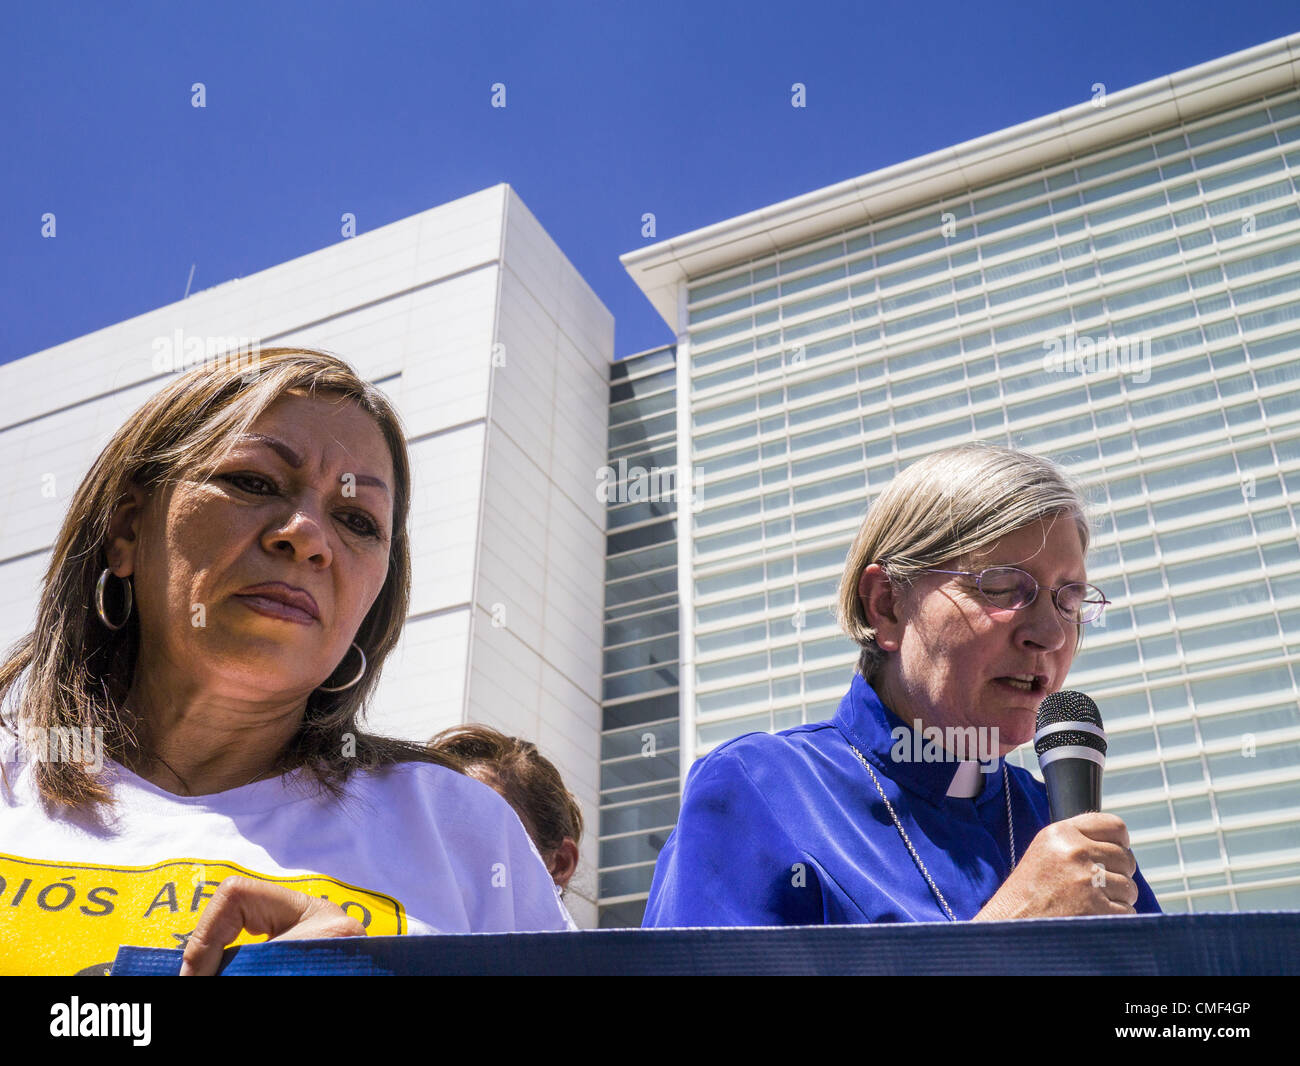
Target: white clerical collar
{"x": 966, "y": 782}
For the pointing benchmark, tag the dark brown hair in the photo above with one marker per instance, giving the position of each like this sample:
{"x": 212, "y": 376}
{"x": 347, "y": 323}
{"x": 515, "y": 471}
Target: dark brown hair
{"x": 78, "y": 672}
{"x": 527, "y": 780}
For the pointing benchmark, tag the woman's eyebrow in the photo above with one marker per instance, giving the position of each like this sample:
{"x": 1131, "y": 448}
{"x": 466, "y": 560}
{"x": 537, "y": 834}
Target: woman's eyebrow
{"x": 285, "y": 452}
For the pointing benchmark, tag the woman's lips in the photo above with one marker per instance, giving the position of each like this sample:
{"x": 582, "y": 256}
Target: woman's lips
{"x": 275, "y": 609}
{"x": 1036, "y": 691}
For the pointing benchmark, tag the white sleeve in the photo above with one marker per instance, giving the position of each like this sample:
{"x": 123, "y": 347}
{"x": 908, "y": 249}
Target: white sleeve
{"x": 503, "y": 882}
{"x": 535, "y": 905}
{"x": 568, "y": 918}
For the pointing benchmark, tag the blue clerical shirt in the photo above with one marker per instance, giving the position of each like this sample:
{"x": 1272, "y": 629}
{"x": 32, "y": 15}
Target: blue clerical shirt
{"x": 788, "y": 829}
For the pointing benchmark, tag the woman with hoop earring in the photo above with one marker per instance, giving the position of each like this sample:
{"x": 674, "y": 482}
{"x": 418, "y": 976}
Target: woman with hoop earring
{"x": 229, "y": 579}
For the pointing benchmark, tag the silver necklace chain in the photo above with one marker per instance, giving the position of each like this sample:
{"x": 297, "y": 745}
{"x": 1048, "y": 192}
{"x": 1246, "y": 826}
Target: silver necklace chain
{"x": 1011, "y": 830}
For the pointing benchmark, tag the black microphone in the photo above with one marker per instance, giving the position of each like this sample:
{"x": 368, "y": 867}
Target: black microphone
{"x": 1071, "y": 747}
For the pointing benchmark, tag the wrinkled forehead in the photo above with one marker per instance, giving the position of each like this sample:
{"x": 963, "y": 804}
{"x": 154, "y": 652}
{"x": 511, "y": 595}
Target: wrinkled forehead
{"x": 1054, "y": 541}
{"x": 325, "y": 421}
{"x": 316, "y": 428}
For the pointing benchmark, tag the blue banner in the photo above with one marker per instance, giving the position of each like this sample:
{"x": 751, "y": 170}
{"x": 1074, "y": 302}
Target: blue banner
{"x": 1263, "y": 942}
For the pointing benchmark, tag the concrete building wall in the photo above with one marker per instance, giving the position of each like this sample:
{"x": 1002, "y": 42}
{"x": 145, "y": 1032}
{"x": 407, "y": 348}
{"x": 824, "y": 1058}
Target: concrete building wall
{"x": 536, "y": 631}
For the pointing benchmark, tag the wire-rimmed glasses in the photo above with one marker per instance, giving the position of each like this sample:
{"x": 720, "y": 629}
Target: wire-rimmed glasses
{"x": 1012, "y": 589}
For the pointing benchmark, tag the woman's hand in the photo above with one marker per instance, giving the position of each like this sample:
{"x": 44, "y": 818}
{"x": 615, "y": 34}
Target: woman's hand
{"x": 241, "y": 903}
{"x": 1080, "y": 865}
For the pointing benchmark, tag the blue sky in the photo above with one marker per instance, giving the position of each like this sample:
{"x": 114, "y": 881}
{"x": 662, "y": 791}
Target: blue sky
{"x": 613, "y": 110}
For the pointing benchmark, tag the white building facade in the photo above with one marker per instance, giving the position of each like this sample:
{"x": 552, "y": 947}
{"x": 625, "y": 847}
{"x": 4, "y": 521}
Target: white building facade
{"x": 1116, "y": 286}
{"x": 496, "y": 354}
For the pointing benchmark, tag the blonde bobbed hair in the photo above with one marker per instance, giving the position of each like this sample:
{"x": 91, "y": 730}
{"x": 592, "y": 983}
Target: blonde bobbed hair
{"x": 943, "y": 509}
{"x": 76, "y": 672}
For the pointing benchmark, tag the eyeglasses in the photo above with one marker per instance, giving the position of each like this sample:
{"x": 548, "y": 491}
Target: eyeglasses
{"x": 1012, "y": 589}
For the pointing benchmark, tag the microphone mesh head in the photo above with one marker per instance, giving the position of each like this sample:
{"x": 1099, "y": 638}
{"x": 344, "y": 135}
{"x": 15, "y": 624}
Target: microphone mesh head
{"x": 1065, "y": 707}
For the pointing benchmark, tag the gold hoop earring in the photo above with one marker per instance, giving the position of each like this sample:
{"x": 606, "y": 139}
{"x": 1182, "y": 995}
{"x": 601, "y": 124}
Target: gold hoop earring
{"x": 360, "y": 673}
{"x": 99, "y": 599}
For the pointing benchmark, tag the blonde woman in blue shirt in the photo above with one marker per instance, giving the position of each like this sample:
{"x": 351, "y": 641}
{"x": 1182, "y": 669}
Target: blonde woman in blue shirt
{"x": 967, "y": 593}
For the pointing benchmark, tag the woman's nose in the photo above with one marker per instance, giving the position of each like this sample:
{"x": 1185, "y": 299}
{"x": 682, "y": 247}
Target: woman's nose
{"x": 1044, "y": 625}
{"x": 302, "y": 532}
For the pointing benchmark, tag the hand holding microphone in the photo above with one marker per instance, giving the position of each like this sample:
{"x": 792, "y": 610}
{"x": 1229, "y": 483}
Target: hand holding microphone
{"x": 1081, "y": 862}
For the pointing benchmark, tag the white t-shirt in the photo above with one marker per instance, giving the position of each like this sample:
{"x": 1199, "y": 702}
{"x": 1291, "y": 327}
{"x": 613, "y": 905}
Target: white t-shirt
{"x": 414, "y": 848}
